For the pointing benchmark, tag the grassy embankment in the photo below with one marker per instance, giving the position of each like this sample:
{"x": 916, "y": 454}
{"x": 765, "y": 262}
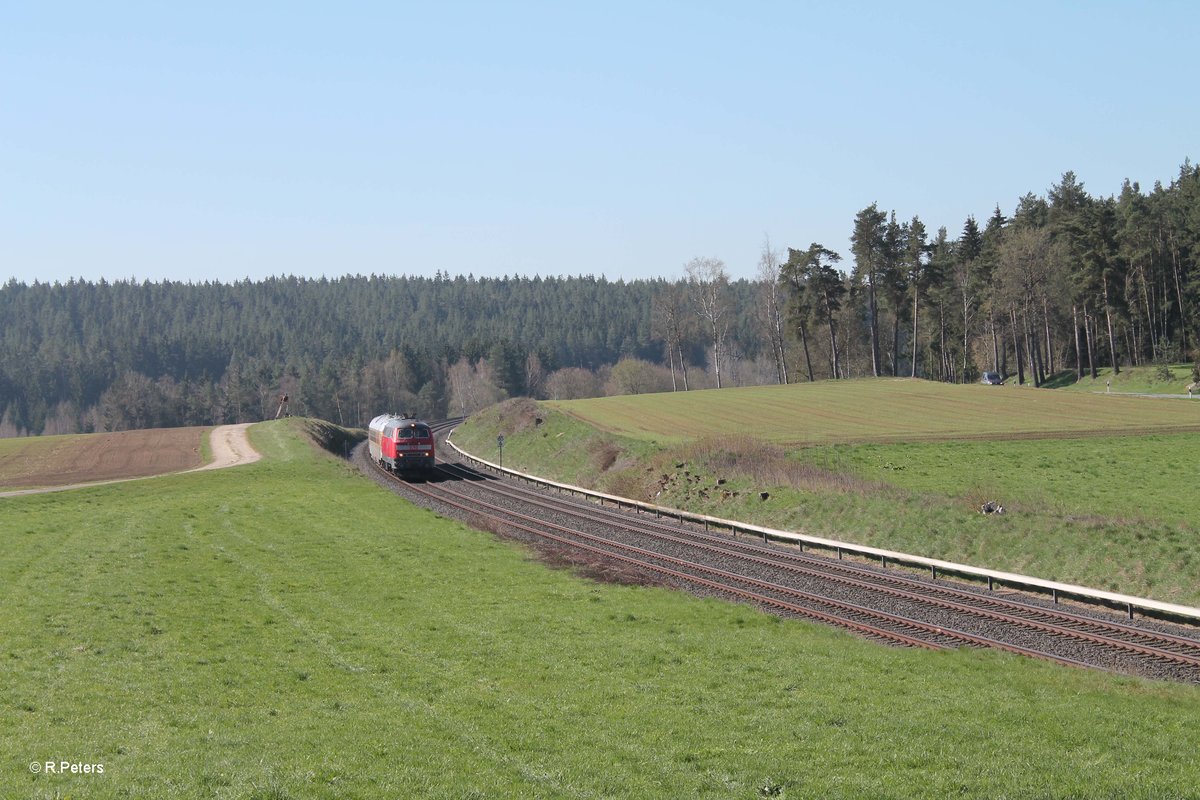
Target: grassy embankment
{"x": 1114, "y": 512}
{"x": 289, "y": 630}
{"x": 1154, "y": 379}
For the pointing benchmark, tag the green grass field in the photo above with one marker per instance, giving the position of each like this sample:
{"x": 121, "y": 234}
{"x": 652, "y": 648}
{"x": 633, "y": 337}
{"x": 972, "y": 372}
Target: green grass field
{"x": 289, "y": 630}
{"x": 1152, "y": 477}
{"x": 1173, "y": 379}
{"x": 1111, "y": 512}
{"x": 876, "y": 410}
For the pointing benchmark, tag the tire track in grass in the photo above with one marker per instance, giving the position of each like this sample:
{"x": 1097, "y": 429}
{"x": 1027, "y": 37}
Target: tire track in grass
{"x": 36, "y": 554}
{"x": 41, "y": 625}
{"x": 83, "y": 578}
{"x": 480, "y": 635}
{"x": 453, "y": 727}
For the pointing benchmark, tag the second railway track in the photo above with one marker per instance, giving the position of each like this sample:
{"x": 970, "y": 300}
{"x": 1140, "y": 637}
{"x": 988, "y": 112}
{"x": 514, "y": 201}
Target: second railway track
{"x": 896, "y": 608}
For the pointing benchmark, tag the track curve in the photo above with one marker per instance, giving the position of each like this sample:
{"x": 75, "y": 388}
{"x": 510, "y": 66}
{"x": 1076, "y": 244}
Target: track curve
{"x": 882, "y": 605}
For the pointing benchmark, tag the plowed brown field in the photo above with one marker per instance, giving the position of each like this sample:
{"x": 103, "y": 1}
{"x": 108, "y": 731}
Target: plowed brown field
{"x": 42, "y": 461}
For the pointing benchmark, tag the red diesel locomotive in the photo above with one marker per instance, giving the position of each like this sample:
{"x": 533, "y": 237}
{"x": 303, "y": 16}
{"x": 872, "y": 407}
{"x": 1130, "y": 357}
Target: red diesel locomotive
{"x": 400, "y": 444}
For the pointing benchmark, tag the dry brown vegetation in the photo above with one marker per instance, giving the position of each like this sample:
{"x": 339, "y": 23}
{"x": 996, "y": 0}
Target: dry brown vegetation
{"x": 768, "y": 465}
{"x": 517, "y": 415}
{"x": 84, "y": 458}
{"x": 603, "y": 454}
{"x": 710, "y": 468}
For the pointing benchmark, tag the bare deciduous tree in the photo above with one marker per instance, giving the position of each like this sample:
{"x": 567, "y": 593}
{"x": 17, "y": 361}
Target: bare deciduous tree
{"x": 572, "y": 383}
{"x": 670, "y": 323}
{"x": 535, "y": 375}
{"x": 473, "y": 386}
{"x": 708, "y": 282}
{"x": 635, "y": 376}
{"x": 771, "y": 309}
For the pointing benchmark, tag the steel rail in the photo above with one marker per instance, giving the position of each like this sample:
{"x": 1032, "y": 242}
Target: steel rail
{"x": 960, "y": 638}
{"x": 1053, "y": 588}
{"x": 1017, "y": 614}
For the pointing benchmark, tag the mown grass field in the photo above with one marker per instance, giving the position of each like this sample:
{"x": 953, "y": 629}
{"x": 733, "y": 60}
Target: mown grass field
{"x": 289, "y": 630}
{"x": 876, "y": 410}
{"x": 1107, "y": 511}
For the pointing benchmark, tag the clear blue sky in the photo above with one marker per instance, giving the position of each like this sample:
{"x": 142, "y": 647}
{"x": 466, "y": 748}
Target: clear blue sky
{"x": 229, "y": 140}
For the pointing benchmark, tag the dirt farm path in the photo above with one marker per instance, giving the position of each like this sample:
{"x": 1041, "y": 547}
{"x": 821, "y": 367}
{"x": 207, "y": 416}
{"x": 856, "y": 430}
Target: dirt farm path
{"x": 230, "y": 448}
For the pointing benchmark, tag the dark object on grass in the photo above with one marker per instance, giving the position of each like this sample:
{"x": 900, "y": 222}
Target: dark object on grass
{"x": 991, "y": 507}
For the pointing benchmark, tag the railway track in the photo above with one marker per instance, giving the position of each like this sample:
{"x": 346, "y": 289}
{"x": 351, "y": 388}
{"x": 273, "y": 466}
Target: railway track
{"x": 886, "y": 606}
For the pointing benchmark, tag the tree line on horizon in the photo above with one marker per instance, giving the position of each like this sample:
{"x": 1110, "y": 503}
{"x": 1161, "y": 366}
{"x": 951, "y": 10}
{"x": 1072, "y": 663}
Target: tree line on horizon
{"x": 87, "y": 356}
{"x": 1070, "y": 282}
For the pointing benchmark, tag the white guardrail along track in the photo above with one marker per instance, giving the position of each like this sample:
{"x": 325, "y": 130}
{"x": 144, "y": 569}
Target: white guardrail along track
{"x": 1053, "y": 588}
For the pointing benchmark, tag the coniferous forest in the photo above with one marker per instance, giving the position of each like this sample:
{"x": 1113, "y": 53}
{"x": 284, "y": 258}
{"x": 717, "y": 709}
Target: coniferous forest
{"x": 1067, "y": 283}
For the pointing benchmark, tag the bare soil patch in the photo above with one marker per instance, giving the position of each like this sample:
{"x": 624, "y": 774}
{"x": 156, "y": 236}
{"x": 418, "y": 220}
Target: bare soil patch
{"x": 230, "y": 447}
{"x": 84, "y": 458}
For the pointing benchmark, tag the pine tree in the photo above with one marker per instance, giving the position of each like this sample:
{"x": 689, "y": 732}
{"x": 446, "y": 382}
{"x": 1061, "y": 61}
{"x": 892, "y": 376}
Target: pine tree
{"x": 869, "y": 261}
{"x": 916, "y": 251}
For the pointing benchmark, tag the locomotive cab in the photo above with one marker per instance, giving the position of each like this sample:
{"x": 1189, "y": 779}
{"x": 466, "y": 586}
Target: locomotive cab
{"x": 401, "y": 444}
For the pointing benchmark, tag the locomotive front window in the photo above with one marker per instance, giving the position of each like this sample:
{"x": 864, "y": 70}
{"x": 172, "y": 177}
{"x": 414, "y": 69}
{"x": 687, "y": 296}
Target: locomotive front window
{"x": 423, "y": 432}
{"x": 408, "y": 433}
